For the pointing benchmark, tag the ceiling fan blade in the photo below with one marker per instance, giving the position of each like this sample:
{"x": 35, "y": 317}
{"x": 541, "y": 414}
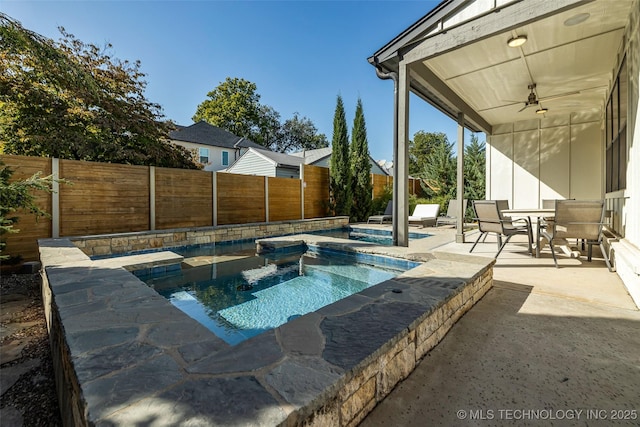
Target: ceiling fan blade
{"x": 561, "y": 95}
{"x": 524, "y": 108}
{"x": 500, "y": 106}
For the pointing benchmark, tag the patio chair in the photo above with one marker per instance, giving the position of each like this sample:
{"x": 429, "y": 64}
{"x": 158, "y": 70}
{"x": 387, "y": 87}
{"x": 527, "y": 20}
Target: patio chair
{"x": 578, "y": 219}
{"x": 386, "y": 216}
{"x": 425, "y": 214}
{"x": 452, "y": 212}
{"x": 490, "y": 220}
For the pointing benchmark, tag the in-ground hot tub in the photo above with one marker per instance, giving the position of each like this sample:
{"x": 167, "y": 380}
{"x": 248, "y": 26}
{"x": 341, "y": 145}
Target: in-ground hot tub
{"x": 124, "y": 355}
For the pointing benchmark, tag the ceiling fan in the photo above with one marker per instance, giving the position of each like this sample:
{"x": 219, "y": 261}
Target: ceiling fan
{"x": 533, "y": 99}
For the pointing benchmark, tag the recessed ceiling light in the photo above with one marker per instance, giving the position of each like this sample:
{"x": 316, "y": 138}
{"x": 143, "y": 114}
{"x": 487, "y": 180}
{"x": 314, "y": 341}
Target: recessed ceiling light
{"x": 517, "y": 41}
{"x": 541, "y": 110}
{"x": 577, "y": 19}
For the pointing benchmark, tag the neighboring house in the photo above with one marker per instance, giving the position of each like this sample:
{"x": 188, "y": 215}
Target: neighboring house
{"x": 268, "y": 163}
{"x": 386, "y": 165}
{"x": 322, "y": 157}
{"x": 553, "y": 85}
{"x": 214, "y": 148}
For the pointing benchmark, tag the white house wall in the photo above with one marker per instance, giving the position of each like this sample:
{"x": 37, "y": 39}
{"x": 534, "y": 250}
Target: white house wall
{"x": 587, "y": 154}
{"x": 553, "y": 158}
{"x": 555, "y": 150}
{"x": 499, "y": 166}
{"x": 253, "y": 164}
{"x": 215, "y": 154}
{"x": 288, "y": 172}
{"x": 626, "y": 206}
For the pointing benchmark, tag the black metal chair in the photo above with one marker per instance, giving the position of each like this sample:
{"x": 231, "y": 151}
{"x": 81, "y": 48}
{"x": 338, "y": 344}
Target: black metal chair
{"x": 490, "y": 220}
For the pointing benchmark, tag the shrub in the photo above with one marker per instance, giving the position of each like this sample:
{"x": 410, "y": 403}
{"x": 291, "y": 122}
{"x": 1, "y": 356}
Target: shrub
{"x": 18, "y": 195}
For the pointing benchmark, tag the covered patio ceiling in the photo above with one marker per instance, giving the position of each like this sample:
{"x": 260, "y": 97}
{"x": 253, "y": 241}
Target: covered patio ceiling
{"x": 459, "y": 60}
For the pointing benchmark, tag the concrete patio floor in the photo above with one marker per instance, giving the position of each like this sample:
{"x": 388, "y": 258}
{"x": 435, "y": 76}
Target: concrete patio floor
{"x": 544, "y": 346}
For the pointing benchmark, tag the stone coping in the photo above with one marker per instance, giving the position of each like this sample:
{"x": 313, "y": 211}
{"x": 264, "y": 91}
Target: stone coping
{"x": 145, "y": 241}
{"x": 150, "y": 261}
{"x": 123, "y": 355}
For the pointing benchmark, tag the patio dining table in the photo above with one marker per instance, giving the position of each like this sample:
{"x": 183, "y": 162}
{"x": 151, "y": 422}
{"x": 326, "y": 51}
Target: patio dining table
{"x": 537, "y": 213}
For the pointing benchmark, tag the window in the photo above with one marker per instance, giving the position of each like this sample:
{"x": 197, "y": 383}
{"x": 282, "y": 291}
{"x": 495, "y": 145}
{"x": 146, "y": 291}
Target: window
{"x": 616, "y": 132}
{"x": 204, "y": 155}
{"x": 225, "y": 158}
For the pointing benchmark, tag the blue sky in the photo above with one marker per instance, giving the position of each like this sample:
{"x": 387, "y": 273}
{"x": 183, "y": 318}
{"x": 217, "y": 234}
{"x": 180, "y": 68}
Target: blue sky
{"x": 300, "y": 54}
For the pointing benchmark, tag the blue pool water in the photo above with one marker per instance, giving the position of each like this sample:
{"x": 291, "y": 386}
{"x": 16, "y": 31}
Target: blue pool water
{"x": 371, "y": 235}
{"x": 237, "y": 294}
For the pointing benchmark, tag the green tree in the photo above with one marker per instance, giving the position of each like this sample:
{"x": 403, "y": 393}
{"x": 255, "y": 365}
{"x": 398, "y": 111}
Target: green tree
{"x": 420, "y": 148}
{"x": 439, "y": 170}
{"x": 234, "y": 105}
{"x": 299, "y": 133}
{"x": 18, "y": 195}
{"x": 340, "y": 171}
{"x": 474, "y": 172}
{"x": 71, "y": 100}
{"x": 270, "y": 133}
{"x": 360, "y": 167}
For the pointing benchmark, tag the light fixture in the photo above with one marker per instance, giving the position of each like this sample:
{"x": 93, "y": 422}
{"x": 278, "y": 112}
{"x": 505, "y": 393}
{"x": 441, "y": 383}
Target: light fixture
{"x": 517, "y": 41}
{"x": 541, "y": 110}
{"x": 577, "y": 19}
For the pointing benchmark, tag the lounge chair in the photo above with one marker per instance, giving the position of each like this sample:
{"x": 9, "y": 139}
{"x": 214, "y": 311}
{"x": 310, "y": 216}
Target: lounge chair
{"x": 425, "y": 214}
{"x": 577, "y": 219}
{"x": 490, "y": 220}
{"x": 386, "y": 216}
{"x": 452, "y": 213}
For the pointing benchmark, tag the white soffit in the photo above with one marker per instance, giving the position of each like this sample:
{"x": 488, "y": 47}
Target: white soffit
{"x": 493, "y": 78}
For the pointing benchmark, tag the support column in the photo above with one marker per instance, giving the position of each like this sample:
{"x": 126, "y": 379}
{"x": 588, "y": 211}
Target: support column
{"x": 401, "y": 162}
{"x": 55, "y": 198}
{"x": 460, "y": 180}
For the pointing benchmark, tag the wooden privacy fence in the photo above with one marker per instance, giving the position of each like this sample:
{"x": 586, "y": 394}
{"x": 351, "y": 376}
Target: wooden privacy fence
{"x": 379, "y": 182}
{"x": 103, "y": 198}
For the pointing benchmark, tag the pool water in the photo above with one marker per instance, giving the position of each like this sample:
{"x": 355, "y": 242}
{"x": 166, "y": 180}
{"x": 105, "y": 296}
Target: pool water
{"x": 237, "y": 294}
{"x": 371, "y": 235}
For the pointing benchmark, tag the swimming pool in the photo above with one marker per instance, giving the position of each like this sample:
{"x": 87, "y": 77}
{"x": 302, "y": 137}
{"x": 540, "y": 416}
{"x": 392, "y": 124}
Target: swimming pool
{"x": 237, "y": 294}
{"x": 371, "y": 235}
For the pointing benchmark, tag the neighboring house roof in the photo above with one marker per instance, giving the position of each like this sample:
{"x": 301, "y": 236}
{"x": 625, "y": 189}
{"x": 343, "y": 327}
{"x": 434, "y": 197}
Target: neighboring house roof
{"x": 386, "y": 165}
{"x": 207, "y": 134}
{"x": 314, "y": 156}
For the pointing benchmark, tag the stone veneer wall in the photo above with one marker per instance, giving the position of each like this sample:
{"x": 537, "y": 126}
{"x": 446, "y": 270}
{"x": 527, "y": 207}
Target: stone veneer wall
{"x": 114, "y": 244}
{"x": 372, "y": 382}
{"x": 123, "y": 354}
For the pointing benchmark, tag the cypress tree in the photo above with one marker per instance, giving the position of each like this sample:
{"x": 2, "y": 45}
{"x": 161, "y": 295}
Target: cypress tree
{"x": 474, "y": 171}
{"x": 340, "y": 171}
{"x": 360, "y": 167}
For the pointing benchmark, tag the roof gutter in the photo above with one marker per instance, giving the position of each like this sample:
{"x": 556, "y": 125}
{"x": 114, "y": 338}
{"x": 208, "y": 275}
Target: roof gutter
{"x": 392, "y": 76}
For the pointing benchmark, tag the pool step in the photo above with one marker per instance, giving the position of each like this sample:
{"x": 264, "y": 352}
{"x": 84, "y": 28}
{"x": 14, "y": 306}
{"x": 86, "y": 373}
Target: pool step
{"x": 278, "y": 304}
{"x": 150, "y": 263}
{"x": 360, "y": 272}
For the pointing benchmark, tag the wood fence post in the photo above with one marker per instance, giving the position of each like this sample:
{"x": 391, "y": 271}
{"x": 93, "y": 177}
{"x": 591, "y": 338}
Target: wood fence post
{"x": 152, "y": 198}
{"x": 55, "y": 198}
{"x": 266, "y": 199}
{"x": 214, "y": 188}
{"x": 302, "y": 187}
